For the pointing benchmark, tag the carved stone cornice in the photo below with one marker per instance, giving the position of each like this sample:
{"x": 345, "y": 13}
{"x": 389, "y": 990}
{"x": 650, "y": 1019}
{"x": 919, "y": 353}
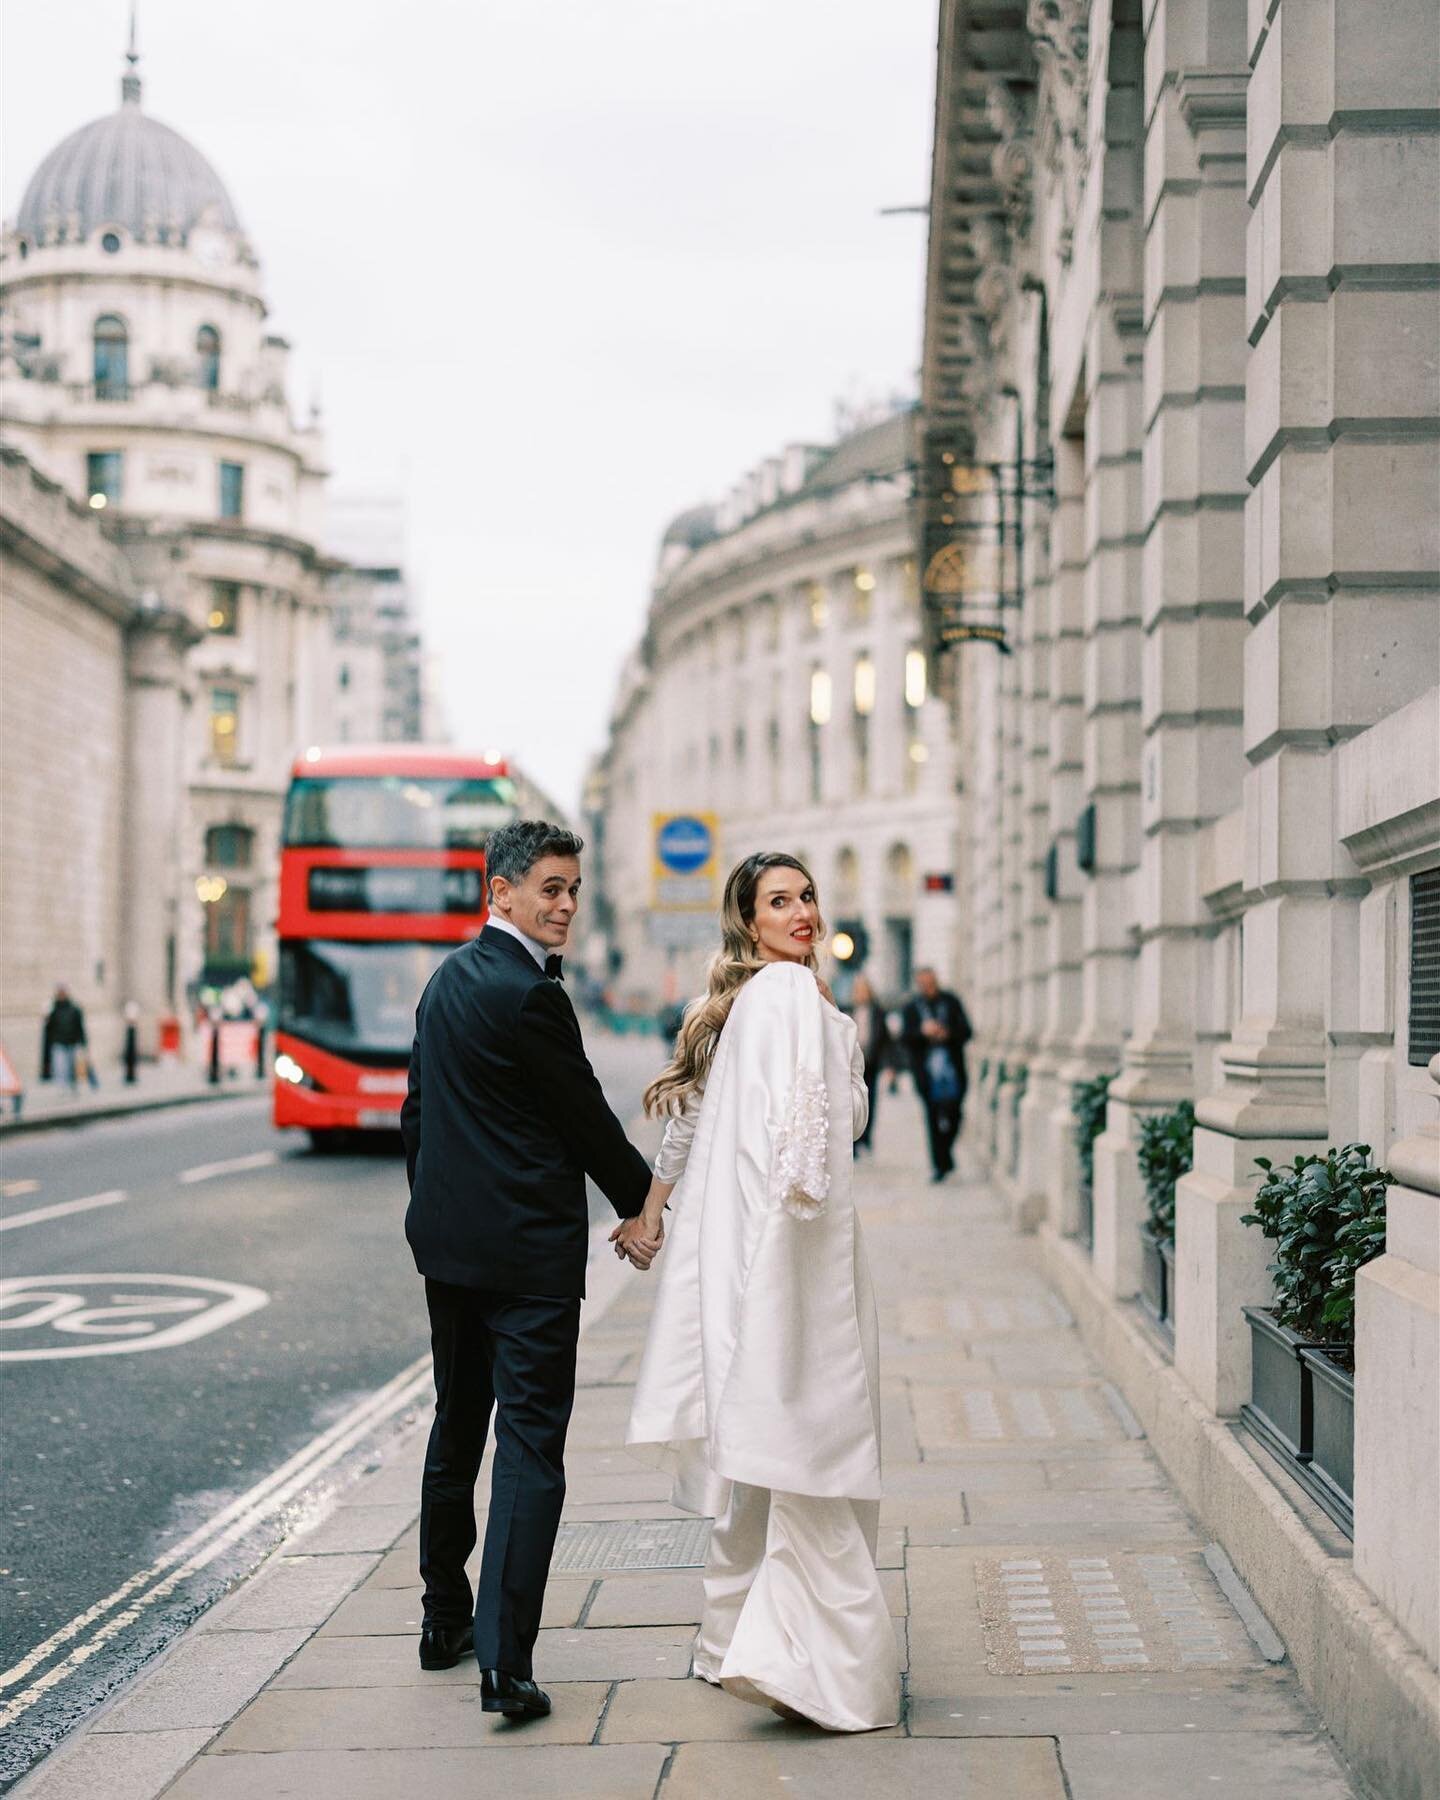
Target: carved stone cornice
{"x": 1060, "y": 37}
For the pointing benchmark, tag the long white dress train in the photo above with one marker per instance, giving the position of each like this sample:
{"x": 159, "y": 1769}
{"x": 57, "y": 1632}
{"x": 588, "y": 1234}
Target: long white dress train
{"x": 759, "y": 1385}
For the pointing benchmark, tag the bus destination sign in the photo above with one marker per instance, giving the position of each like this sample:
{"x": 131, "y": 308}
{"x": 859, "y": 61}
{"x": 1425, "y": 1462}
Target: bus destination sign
{"x": 396, "y": 890}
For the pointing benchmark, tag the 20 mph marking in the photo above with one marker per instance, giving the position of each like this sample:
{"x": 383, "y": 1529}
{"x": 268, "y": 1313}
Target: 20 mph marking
{"x": 112, "y": 1315}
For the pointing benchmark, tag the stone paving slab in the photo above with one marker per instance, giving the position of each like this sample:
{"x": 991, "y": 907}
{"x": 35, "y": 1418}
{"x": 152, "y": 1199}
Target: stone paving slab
{"x": 204, "y": 1681}
{"x": 543, "y": 1772}
{"x": 353, "y": 1528}
{"x": 1196, "y": 1765}
{"x": 643, "y": 1712}
{"x": 133, "y": 1766}
{"x": 1095, "y": 1706}
{"x": 446, "y": 1716}
{"x": 396, "y": 1612}
{"x": 295, "y": 1591}
{"x": 673, "y": 1598}
{"x": 867, "y": 1768}
{"x": 605, "y": 1654}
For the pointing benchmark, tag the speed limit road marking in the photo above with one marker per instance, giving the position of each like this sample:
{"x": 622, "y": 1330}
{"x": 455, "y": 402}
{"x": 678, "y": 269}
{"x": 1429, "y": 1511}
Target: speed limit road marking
{"x": 43, "y": 1317}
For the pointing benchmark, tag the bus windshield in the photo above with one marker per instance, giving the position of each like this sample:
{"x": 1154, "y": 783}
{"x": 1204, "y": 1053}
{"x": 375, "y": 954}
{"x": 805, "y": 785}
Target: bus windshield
{"x": 396, "y": 812}
{"x": 350, "y": 998}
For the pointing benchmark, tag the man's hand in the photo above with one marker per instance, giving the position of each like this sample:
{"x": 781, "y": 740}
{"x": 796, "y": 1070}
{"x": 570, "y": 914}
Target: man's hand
{"x": 637, "y": 1240}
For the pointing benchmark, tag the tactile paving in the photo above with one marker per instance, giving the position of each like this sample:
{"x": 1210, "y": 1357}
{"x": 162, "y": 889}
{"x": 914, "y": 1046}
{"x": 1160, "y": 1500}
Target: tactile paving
{"x": 1117, "y": 1614}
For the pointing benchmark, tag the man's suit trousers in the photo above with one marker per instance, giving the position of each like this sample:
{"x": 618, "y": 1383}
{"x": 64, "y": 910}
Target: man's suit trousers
{"x": 513, "y": 1354}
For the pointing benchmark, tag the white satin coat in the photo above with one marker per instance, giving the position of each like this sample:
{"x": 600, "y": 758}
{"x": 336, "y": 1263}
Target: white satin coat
{"x": 761, "y": 1364}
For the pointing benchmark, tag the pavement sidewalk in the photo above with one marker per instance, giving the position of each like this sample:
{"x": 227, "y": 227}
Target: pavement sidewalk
{"x": 51, "y": 1103}
{"x": 1064, "y": 1636}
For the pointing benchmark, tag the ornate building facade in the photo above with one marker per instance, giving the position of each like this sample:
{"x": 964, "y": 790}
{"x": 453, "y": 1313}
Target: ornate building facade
{"x": 138, "y": 377}
{"x": 781, "y": 685}
{"x": 1177, "y": 524}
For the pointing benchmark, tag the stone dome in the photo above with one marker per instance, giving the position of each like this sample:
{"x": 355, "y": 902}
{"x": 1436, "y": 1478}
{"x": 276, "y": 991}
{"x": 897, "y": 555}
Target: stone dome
{"x": 691, "y": 529}
{"x": 127, "y": 170}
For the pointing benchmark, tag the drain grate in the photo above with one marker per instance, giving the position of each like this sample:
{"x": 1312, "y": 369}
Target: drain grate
{"x": 631, "y": 1544}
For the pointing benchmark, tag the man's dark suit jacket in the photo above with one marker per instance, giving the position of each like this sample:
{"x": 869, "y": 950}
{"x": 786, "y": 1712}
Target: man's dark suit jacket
{"x": 512, "y": 1119}
{"x": 953, "y": 1018}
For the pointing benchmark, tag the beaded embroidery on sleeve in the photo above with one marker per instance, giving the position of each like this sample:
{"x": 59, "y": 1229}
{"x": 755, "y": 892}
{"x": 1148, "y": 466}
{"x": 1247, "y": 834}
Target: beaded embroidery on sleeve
{"x": 800, "y": 1163}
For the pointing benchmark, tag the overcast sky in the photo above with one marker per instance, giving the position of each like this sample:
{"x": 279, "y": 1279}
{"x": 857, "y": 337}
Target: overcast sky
{"x": 559, "y": 268}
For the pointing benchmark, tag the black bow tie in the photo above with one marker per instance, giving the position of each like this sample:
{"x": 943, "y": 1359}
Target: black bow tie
{"x": 554, "y": 969}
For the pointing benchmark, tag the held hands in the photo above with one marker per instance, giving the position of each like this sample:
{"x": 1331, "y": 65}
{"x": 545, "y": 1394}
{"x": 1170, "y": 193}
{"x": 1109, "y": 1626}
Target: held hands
{"x": 638, "y": 1240}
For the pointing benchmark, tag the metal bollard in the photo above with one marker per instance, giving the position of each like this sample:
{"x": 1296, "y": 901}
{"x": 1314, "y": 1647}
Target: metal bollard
{"x": 132, "y": 1053}
{"x": 215, "y": 1050}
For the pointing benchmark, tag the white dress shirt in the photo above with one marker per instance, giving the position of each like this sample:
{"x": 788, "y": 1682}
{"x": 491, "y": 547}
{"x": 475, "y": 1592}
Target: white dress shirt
{"x": 537, "y": 950}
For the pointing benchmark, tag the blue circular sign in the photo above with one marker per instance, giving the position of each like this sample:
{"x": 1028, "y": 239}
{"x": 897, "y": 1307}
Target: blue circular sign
{"x": 684, "y": 844}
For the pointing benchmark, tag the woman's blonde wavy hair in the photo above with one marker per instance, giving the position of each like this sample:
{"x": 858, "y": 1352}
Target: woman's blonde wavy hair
{"x": 730, "y": 968}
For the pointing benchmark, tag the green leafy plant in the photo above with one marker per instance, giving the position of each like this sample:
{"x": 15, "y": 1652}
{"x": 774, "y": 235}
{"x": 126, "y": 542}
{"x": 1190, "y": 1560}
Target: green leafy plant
{"x": 1325, "y": 1216}
{"x": 1020, "y": 1078}
{"x": 1165, "y": 1153}
{"x": 1087, "y": 1106}
{"x": 1000, "y": 1079}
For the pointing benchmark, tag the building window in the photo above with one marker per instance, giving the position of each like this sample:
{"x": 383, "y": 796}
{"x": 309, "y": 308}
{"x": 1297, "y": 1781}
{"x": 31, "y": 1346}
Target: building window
{"x": 860, "y": 599}
{"x": 817, "y": 764}
{"x": 223, "y": 618}
{"x": 864, "y": 687}
{"x": 917, "y": 754}
{"x": 104, "y": 474}
{"x": 820, "y": 697}
{"x": 1424, "y": 1018}
{"x": 229, "y": 847}
{"x": 344, "y": 675}
{"x": 110, "y": 243}
{"x": 207, "y": 344}
{"x": 112, "y": 359}
{"x": 819, "y": 605}
{"x": 915, "y": 678}
{"x": 227, "y": 934}
{"x": 232, "y": 490}
{"x": 224, "y": 725}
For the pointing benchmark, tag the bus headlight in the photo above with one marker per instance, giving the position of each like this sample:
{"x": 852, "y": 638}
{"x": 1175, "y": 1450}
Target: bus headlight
{"x": 287, "y": 1069}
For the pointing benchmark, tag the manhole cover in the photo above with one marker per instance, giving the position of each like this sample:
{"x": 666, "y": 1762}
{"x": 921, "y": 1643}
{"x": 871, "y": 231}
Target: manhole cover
{"x": 631, "y": 1544}
{"x": 1114, "y": 1614}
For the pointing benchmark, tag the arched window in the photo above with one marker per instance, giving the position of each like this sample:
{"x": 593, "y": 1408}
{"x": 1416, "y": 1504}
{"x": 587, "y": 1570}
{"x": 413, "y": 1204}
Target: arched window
{"x": 207, "y": 343}
{"x": 229, "y": 846}
{"x": 112, "y": 358}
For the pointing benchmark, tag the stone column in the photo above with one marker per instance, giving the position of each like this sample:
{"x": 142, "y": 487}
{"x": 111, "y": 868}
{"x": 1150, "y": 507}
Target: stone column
{"x": 1397, "y": 1395}
{"x": 1193, "y": 486}
{"x": 1343, "y": 253}
{"x": 154, "y": 810}
{"x": 1054, "y": 1144}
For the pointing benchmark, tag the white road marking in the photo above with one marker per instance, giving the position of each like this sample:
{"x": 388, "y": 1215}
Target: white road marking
{"x": 12, "y": 1190}
{"x": 235, "y": 1165}
{"x": 202, "y": 1546}
{"x": 123, "y": 1321}
{"x": 61, "y": 1208}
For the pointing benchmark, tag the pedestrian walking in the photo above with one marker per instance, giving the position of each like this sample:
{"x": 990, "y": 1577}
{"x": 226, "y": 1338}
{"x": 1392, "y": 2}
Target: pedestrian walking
{"x": 935, "y": 1031}
{"x": 64, "y": 1048}
{"x": 873, "y": 1030}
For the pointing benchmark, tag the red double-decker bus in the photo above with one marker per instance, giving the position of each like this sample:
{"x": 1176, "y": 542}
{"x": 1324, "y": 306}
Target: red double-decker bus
{"x": 382, "y": 874}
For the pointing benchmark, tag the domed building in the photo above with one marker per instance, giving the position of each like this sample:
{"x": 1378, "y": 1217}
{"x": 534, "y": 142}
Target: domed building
{"x": 140, "y": 383}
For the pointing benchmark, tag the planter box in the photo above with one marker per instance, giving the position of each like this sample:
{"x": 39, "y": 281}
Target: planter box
{"x": 1302, "y": 1409}
{"x": 1157, "y": 1281}
{"x": 1278, "y": 1411}
{"x": 1331, "y": 1474}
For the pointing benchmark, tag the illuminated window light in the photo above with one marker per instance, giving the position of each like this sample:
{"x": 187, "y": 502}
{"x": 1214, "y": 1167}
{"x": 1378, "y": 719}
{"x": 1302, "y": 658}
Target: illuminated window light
{"x": 919, "y": 753}
{"x": 98, "y": 501}
{"x": 864, "y": 686}
{"x": 915, "y": 678}
{"x": 820, "y": 697}
{"x": 864, "y": 580}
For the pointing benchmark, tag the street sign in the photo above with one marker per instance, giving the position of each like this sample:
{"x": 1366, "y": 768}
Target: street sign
{"x": 684, "y": 873}
{"x": 940, "y": 881}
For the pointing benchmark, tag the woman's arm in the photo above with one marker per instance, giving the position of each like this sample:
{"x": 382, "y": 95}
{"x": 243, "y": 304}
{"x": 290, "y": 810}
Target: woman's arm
{"x": 859, "y": 1092}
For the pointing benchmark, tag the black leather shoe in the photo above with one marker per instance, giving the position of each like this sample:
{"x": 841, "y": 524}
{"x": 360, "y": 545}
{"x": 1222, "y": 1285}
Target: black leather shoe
{"x": 510, "y": 1695}
{"x": 442, "y": 1646}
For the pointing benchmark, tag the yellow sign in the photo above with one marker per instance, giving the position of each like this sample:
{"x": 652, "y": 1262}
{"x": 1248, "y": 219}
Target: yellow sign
{"x": 684, "y": 872}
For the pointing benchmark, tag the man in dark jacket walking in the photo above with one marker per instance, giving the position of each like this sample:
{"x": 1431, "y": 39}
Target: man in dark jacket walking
{"x": 503, "y": 1119}
{"x": 936, "y": 1031}
{"x": 63, "y": 1043}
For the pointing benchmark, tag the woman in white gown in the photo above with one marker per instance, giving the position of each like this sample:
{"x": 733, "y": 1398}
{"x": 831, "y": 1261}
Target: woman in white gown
{"x": 759, "y": 1385}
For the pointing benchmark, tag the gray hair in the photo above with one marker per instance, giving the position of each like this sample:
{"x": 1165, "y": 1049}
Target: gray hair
{"x": 513, "y": 851}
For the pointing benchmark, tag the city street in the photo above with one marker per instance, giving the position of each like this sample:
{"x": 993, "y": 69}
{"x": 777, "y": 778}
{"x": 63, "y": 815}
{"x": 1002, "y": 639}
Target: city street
{"x": 193, "y": 1302}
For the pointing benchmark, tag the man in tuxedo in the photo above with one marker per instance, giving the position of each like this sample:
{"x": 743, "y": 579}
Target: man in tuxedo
{"x": 503, "y": 1119}
{"x": 935, "y": 1031}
